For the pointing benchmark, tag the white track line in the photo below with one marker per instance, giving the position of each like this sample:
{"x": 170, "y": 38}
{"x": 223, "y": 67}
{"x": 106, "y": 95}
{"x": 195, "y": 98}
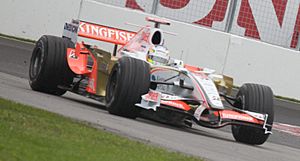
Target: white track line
{"x": 290, "y": 129}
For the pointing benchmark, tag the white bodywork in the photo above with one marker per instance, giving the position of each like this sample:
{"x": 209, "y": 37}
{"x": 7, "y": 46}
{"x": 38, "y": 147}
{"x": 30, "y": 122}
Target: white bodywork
{"x": 204, "y": 91}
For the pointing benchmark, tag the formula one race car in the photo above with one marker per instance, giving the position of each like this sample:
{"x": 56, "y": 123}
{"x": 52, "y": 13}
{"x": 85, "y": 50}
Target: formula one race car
{"x": 139, "y": 77}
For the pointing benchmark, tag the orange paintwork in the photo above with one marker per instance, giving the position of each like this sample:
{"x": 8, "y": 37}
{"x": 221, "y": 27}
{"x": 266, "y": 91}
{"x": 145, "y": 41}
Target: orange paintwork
{"x": 177, "y": 104}
{"x": 192, "y": 68}
{"x": 234, "y": 115}
{"x": 77, "y": 60}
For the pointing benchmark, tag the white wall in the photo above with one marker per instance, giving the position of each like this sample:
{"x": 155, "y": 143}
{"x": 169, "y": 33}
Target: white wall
{"x": 244, "y": 59}
{"x": 252, "y": 61}
{"x": 33, "y": 18}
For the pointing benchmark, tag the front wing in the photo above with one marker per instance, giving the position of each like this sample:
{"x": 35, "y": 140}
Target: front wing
{"x": 206, "y": 116}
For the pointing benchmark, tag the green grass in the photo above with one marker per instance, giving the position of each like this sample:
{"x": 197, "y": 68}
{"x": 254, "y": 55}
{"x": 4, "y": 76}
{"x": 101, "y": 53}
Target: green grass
{"x": 32, "y": 134}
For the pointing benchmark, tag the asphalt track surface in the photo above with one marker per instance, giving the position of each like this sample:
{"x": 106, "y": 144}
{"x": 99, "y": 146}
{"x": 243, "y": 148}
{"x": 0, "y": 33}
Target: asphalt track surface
{"x": 206, "y": 143}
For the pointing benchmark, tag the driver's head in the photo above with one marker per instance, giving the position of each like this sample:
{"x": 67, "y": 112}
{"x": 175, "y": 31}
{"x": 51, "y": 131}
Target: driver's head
{"x": 158, "y": 55}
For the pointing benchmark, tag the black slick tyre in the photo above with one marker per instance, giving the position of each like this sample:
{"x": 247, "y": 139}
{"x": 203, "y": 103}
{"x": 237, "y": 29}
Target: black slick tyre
{"x": 255, "y": 98}
{"x": 48, "y": 65}
{"x": 128, "y": 81}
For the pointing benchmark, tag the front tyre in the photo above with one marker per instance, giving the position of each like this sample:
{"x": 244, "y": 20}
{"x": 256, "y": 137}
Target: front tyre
{"x": 48, "y": 65}
{"x": 255, "y": 98}
{"x": 128, "y": 81}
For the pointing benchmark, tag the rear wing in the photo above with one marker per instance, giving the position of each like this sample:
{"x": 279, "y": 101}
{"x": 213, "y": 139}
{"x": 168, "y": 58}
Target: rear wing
{"x": 93, "y": 31}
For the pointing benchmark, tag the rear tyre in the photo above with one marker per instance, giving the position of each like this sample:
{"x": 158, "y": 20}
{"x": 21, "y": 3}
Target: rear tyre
{"x": 255, "y": 98}
{"x": 48, "y": 65}
{"x": 128, "y": 81}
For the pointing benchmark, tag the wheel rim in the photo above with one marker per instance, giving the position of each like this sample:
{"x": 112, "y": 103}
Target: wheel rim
{"x": 36, "y": 65}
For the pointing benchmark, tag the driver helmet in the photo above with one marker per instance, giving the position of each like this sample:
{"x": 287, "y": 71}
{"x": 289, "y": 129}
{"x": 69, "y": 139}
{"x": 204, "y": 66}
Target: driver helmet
{"x": 158, "y": 55}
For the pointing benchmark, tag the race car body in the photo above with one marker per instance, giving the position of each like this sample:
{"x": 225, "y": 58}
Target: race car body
{"x": 132, "y": 82}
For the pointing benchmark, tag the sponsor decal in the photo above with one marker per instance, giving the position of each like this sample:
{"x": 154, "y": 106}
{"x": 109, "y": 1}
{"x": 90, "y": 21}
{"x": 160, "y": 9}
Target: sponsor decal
{"x": 153, "y": 96}
{"x": 228, "y": 114}
{"x": 104, "y": 33}
{"x": 170, "y": 97}
{"x": 71, "y": 27}
{"x": 237, "y": 117}
{"x": 73, "y": 55}
{"x": 210, "y": 90}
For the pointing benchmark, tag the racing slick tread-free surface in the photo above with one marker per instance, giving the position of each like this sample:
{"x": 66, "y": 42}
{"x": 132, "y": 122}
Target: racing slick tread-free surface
{"x": 128, "y": 81}
{"x": 257, "y": 98}
{"x": 48, "y": 65}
